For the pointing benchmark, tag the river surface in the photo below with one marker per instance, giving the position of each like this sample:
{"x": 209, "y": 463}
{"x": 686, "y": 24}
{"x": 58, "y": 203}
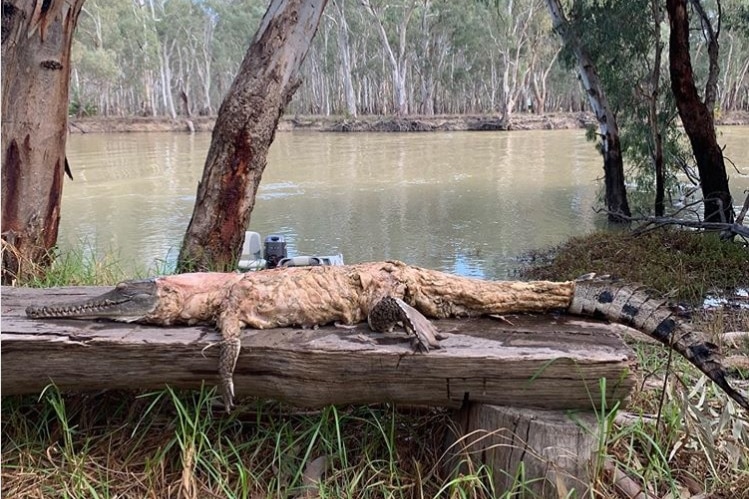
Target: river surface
{"x": 470, "y": 203}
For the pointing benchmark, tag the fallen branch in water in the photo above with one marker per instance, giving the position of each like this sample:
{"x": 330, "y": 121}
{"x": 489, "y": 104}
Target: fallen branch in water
{"x": 727, "y": 230}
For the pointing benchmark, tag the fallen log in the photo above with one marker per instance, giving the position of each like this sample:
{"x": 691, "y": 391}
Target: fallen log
{"x": 543, "y": 361}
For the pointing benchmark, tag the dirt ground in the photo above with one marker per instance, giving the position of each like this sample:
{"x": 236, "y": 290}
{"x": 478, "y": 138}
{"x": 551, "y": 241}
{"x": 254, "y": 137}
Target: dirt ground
{"x": 553, "y": 121}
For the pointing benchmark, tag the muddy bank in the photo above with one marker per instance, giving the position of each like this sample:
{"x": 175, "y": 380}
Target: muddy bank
{"x": 440, "y": 123}
{"x": 554, "y": 121}
{"x": 100, "y": 124}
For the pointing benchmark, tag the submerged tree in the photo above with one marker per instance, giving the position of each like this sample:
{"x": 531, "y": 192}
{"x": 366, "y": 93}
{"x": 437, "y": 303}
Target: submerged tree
{"x": 244, "y": 130}
{"x": 636, "y": 88}
{"x": 36, "y": 40}
{"x": 696, "y": 114}
{"x": 613, "y": 163}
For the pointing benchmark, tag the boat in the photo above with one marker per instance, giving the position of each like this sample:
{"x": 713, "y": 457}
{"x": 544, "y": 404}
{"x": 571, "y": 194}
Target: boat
{"x": 272, "y": 254}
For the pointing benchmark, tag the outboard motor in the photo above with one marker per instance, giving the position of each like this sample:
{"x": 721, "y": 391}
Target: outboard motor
{"x": 275, "y": 250}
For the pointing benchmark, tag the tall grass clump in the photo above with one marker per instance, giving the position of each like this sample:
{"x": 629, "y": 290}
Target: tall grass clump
{"x": 85, "y": 265}
{"x": 174, "y": 443}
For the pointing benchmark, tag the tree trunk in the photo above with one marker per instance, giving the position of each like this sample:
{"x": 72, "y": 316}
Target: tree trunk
{"x": 36, "y": 38}
{"x": 344, "y": 49}
{"x": 399, "y": 63}
{"x": 539, "y": 90}
{"x": 613, "y": 165}
{"x": 655, "y": 131}
{"x": 244, "y": 130}
{"x": 697, "y": 116}
{"x": 204, "y": 71}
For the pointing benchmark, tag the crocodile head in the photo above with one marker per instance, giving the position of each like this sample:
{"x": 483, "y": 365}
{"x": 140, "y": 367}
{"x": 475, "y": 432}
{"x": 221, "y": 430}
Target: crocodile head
{"x": 129, "y": 301}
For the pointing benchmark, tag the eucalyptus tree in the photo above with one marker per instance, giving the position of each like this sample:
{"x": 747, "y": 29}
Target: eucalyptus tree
{"x": 245, "y": 127}
{"x": 36, "y": 41}
{"x": 543, "y": 62}
{"x": 512, "y": 32}
{"x": 733, "y": 84}
{"x": 610, "y": 146}
{"x": 141, "y": 57}
{"x": 93, "y": 65}
{"x": 122, "y": 34}
{"x": 236, "y": 22}
{"x": 189, "y": 50}
{"x": 697, "y": 112}
{"x": 632, "y": 70}
{"x": 397, "y": 56}
{"x": 320, "y": 79}
{"x": 344, "y": 50}
{"x": 191, "y": 25}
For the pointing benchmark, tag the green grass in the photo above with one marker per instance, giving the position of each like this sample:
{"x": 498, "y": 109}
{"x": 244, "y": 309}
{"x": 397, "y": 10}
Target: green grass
{"x": 84, "y": 265}
{"x": 170, "y": 442}
{"x": 678, "y": 432}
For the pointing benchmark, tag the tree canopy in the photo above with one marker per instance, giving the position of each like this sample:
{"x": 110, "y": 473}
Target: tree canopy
{"x": 474, "y": 56}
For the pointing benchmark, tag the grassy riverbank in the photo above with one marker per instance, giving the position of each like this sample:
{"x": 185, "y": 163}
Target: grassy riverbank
{"x": 679, "y": 435}
{"x": 683, "y": 265}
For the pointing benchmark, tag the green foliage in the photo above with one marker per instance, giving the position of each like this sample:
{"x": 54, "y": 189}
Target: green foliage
{"x": 737, "y": 16}
{"x": 638, "y": 150}
{"x": 87, "y": 265}
{"x": 469, "y": 56}
{"x": 624, "y": 55}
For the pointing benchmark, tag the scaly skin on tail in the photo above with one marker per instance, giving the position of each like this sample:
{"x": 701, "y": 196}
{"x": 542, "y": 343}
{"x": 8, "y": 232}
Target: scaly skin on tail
{"x": 634, "y": 306}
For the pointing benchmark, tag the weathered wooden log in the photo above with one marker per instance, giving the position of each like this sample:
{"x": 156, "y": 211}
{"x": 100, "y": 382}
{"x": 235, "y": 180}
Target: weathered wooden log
{"x": 536, "y": 453}
{"x": 542, "y": 361}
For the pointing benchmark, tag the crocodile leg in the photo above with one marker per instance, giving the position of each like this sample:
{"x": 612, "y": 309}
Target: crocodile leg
{"x": 389, "y": 311}
{"x": 229, "y": 348}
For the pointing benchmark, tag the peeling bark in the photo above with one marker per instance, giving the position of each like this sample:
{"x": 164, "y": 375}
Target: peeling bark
{"x": 244, "y": 130}
{"x": 36, "y": 38}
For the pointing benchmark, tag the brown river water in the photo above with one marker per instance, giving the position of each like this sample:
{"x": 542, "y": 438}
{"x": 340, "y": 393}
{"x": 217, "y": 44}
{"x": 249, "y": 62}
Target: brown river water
{"x": 470, "y": 203}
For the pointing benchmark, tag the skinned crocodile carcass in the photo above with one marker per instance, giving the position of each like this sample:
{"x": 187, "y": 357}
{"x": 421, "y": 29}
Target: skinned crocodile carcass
{"x": 383, "y": 294}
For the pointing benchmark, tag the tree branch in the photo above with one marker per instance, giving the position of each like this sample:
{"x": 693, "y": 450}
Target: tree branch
{"x": 728, "y": 230}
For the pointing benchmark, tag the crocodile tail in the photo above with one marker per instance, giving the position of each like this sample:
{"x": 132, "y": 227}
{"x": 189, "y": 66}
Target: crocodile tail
{"x": 635, "y": 306}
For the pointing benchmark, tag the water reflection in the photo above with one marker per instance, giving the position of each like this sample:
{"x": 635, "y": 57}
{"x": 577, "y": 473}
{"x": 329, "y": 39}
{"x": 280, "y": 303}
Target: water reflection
{"x": 468, "y": 203}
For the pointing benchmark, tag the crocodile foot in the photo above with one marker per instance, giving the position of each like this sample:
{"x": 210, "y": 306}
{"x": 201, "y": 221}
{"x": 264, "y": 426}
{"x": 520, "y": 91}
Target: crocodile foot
{"x": 389, "y": 311}
{"x": 228, "y": 355}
